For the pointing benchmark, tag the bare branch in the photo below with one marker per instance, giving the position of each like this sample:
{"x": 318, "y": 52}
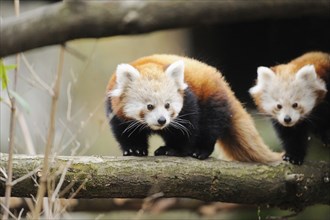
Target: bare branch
{"x": 50, "y": 137}
{"x": 12, "y": 128}
{"x": 42, "y": 83}
{"x": 68, "y": 20}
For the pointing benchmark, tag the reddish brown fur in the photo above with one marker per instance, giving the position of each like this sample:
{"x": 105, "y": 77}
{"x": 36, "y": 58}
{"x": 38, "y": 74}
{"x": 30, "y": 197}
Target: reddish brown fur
{"x": 320, "y": 60}
{"x": 245, "y": 144}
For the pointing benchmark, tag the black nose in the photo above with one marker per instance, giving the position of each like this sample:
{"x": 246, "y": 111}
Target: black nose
{"x": 287, "y": 119}
{"x": 161, "y": 120}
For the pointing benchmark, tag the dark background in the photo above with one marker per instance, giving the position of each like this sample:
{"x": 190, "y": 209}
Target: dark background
{"x": 238, "y": 49}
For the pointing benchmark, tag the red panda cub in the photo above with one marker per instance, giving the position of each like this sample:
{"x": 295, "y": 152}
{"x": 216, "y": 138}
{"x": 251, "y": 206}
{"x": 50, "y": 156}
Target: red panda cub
{"x": 295, "y": 96}
{"x": 188, "y": 103}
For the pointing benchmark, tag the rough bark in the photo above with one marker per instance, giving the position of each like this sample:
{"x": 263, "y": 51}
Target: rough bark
{"x": 279, "y": 184}
{"x": 68, "y": 20}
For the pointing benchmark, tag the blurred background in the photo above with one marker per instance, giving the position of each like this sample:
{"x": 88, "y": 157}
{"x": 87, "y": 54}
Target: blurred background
{"x": 236, "y": 49}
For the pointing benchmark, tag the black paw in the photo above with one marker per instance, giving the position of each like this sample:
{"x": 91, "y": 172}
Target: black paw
{"x": 135, "y": 152}
{"x": 166, "y": 151}
{"x": 293, "y": 159}
{"x": 325, "y": 137}
{"x": 200, "y": 155}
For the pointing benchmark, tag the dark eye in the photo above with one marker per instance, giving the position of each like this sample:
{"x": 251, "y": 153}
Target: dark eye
{"x": 295, "y": 105}
{"x": 167, "y": 105}
{"x": 150, "y": 107}
{"x": 279, "y": 106}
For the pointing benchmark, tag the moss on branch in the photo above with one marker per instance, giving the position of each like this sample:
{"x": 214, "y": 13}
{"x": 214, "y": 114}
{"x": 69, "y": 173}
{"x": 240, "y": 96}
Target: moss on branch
{"x": 278, "y": 184}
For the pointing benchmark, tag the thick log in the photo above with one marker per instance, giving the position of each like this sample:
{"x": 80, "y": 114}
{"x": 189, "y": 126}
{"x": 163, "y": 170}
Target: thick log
{"x": 279, "y": 184}
{"x": 68, "y": 20}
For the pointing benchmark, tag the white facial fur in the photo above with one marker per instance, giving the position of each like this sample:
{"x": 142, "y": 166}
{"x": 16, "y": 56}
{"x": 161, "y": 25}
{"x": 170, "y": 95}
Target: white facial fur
{"x": 288, "y": 98}
{"x": 149, "y": 99}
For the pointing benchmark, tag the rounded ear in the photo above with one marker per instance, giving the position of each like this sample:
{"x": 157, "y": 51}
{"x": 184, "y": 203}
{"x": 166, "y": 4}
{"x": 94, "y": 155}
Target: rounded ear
{"x": 307, "y": 73}
{"x": 265, "y": 76}
{"x": 309, "y": 76}
{"x": 176, "y": 72}
{"x": 125, "y": 74}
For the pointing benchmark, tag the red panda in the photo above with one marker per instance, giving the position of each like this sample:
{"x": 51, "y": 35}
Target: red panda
{"x": 295, "y": 96}
{"x": 188, "y": 103}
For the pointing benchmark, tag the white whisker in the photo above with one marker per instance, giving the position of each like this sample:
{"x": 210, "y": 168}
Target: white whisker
{"x": 132, "y": 125}
{"x": 191, "y": 113}
{"x": 139, "y": 125}
{"x": 184, "y": 121}
{"x": 181, "y": 127}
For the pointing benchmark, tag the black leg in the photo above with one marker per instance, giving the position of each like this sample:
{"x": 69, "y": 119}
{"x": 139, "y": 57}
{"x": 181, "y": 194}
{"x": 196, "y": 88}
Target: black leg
{"x": 294, "y": 141}
{"x": 203, "y": 147}
{"x": 181, "y": 134}
{"x": 320, "y": 118}
{"x": 214, "y": 123}
{"x": 133, "y": 139}
{"x": 325, "y": 137}
{"x": 178, "y": 141}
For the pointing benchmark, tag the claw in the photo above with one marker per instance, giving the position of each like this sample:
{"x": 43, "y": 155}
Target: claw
{"x": 200, "y": 155}
{"x": 163, "y": 150}
{"x": 293, "y": 160}
{"x": 135, "y": 152}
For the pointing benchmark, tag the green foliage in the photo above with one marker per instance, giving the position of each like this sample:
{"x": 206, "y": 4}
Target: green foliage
{"x": 4, "y": 82}
{"x": 3, "y": 73}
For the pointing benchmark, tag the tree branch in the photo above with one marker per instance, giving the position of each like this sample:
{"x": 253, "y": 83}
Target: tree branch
{"x": 281, "y": 184}
{"x": 68, "y": 20}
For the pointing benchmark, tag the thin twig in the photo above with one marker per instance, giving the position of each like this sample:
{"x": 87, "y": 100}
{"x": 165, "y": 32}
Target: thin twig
{"x": 43, "y": 84}
{"x": 81, "y": 128}
{"x": 74, "y": 194}
{"x": 25, "y": 130}
{"x": 10, "y": 152}
{"x": 29, "y": 174}
{"x": 11, "y": 132}
{"x": 80, "y": 187}
{"x": 26, "y": 133}
{"x": 20, "y": 214}
{"x": 3, "y": 171}
{"x": 29, "y": 202}
{"x": 7, "y": 211}
{"x": 68, "y": 92}
{"x": 50, "y": 137}
{"x": 60, "y": 183}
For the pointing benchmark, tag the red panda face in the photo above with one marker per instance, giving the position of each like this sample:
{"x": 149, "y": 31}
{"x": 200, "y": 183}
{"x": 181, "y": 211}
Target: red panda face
{"x": 152, "y": 98}
{"x": 288, "y": 98}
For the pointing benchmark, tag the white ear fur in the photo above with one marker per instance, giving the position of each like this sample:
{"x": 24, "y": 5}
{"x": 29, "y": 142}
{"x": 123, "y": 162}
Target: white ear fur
{"x": 176, "y": 72}
{"x": 265, "y": 75}
{"x": 125, "y": 74}
{"x": 307, "y": 73}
